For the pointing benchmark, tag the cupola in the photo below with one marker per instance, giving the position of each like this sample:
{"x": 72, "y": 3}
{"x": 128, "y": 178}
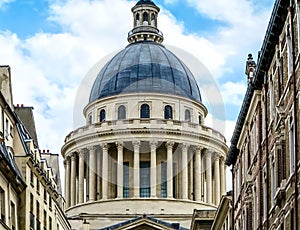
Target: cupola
{"x": 145, "y": 14}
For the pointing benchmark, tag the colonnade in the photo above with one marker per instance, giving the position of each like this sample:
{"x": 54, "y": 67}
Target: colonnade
{"x": 173, "y": 171}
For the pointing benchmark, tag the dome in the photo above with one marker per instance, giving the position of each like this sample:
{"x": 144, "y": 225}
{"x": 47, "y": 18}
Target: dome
{"x": 143, "y": 2}
{"x": 145, "y": 67}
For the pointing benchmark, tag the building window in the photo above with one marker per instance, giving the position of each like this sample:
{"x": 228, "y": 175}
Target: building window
{"x": 145, "y": 111}
{"x": 6, "y": 128}
{"x": 168, "y": 112}
{"x": 50, "y": 202}
{"x": 102, "y": 115}
{"x": 145, "y": 179}
{"x": 153, "y": 20}
{"x": 45, "y": 220}
{"x": 292, "y": 144}
{"x": 13, "y": 215}
{"x": 38, "y": 223}
{"x": 126, "y": 179}
{"x": 187, "y": 115}
{"x": 145, "y": 18}
{"x": 137, "y": 19}
{"x": 272, "y": 103}
{"x": 265, "y": 194}
{"x": 163, "y": 179}
{"x": 45, "y": 196}
{"x": 121, "y": 112}
{"x": 281, "y": 163}
{"x": 31, "y": 178}
{"x": 31, "y": 212}
{"x": 289, "y": 50}
{"x": 273, "y": 178}
{"x": 2, "y": 204}
{"x": 50, "y": 223}
{"x": 37, "y": 185}
{"x": 199, "y": 119}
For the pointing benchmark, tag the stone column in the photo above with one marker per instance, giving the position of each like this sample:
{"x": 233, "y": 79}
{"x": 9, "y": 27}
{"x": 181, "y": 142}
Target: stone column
{"x": 223, "y": 176}
{"x": 208, "y": 166}
{"x": 105, "y": 171}
{"x": 217, "y": 179}
{"x": 67, "y": 164}
{"x": 153, "y": 145}
{"x": 198, "y": 174}
{"x": 120, "y": 170}
{"x": 73, "y": 178}
{"x": 81, "y": 176}
{"x": 99, "y": 175}
{"x": 184, "y": 158}
{"x": 169, "y": 146}
{"x": 136, "y": 169}
{"x": 92, "y": 173}
{"x": 191, "y": 174}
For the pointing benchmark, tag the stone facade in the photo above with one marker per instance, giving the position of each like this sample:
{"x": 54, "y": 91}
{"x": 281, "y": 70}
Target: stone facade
{"x": 264, "y": 153}
{"x": 29, "y": 187}
{"x": 144, "y": 149}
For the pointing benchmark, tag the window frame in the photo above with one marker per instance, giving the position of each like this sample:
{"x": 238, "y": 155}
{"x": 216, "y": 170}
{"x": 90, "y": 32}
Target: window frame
{"x": 145, "y": 114}
{"x": 168, "y": 112}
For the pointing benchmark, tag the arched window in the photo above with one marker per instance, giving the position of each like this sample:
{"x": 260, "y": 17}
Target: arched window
{"x": 102, "y": 115}
{"x": 121, "y": 112}
{"x": 137, "y": 19}
{"x": 168, "y": 112}
{"x": 145, "y": 111}
{"x": 145, "y": 18}
{"x": 153, "y": 20}
{"x": 200, "y": 119}
{"x": 187, "y": 115}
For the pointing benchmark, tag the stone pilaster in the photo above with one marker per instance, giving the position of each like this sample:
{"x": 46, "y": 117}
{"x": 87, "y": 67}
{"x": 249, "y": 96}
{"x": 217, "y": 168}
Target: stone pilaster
{"x": 120, "y": 170}
{"x": 67, "y": 164}
{"x": 208, "y": 155}
{"x": 82, "y": 155}
{"x": 136, "y": 169}
{"x": 169, "y": 146}
{"x": 92, "y": 173}
{"x": 105, "y": 171}
{"x": 184, "y": 171}
{"x": 217, "y": 191}
{"x": 153, "y": 146}
{"x": 198, "y": 173}
{"x": 73, "y": 178}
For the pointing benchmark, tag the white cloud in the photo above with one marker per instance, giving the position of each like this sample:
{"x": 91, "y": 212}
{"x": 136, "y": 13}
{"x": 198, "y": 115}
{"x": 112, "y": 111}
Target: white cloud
{"x": 48, "y": 68}
{"x": 4, "y": 3}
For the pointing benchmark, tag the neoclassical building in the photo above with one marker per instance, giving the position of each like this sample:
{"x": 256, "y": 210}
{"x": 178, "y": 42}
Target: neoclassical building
{"x": 144, "y": 156}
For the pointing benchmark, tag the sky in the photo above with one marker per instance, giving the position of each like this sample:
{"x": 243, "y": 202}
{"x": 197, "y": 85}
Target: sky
{"x": 51, "y": 45}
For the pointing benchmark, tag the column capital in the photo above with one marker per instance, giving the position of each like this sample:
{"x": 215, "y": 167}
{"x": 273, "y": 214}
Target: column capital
{"x": 82, "y": 153}
{"x": 184, "y": 145}
{"x": 170, "y": 144}
{"x": 153, "y": 144}
{"x": 222, "y": 158}
{"x": 136, "y": 144}
{"x": 199, "y": 148}
{"x": 119, "y": 143}
{"x": 92, "y": 148}
{"x": 73, "y": 156}
{"x": 104, "y": 146}
{"x": 67, "y": 160}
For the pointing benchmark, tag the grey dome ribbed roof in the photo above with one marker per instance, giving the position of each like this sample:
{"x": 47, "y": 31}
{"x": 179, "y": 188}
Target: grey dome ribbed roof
{"x": 145, "y": 67}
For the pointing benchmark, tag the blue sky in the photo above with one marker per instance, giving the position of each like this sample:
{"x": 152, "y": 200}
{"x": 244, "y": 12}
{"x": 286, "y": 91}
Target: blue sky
{"x": 52, "y": 44}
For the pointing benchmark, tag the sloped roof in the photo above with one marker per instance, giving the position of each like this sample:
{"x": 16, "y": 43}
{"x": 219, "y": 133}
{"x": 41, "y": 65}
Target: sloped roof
{"x": 5, "y": 156}
{"x": 150, "y": 222}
